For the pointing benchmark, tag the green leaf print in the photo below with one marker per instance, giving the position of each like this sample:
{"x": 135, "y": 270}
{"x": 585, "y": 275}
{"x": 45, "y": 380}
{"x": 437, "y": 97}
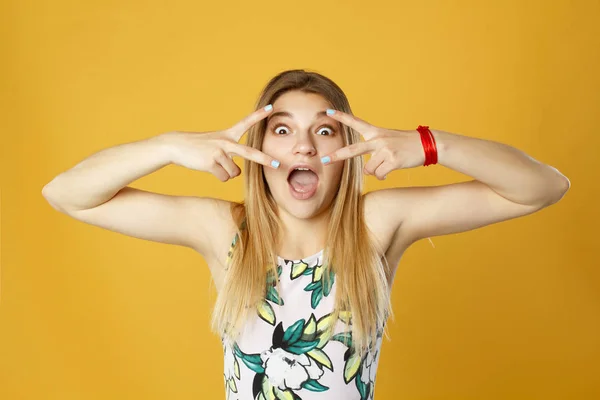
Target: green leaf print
{"x": 231, "y": 385}
{"x": 319, "y": 285}
{"x": 293, "y": 333}
{"x": 362, "y": 388}
{"x": 266, "y": 389}
{"x": 265, "y": 312}
{"x": 300, "y": 341}
{"x": 301, "y": 346}
{"x": 355, "y": 367}
{"x": 351, "y": 367}
{"x": 323, "y": 333}
{"x": 310, "y": 329}
{"x": 314, "y": 386}
{"x": 312, "y": 286}
{"x": 318, "y": 273}
{"x": 236, "y": 368}
{"x": 346, "y": 317}
{"x": 321, "y": 357}
{"x": 264, "y": 309}
{"x": 273, "y": 296}
{"x": 253, "y": 362}
{"x": 287, "y": 394}
{"x": 328, "y": 283}
{"x": 345, "y": 338}
{"x": 298, "y": 269}
{"x": 316, "y": 297}
{"x": 270, "y": 278}
{"x": 236, "y": 350}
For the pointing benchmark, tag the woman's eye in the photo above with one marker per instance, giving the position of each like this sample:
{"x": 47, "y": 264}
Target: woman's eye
{"x": 277, "y": 129}
{"x": 327, "y": 128}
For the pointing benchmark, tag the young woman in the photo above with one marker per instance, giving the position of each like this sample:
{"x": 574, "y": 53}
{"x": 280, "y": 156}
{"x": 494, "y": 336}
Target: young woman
{"x": 304, "y": 266}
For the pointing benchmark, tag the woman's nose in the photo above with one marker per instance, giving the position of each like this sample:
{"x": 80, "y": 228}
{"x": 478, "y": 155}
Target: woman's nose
{"x": 304, "y": 146}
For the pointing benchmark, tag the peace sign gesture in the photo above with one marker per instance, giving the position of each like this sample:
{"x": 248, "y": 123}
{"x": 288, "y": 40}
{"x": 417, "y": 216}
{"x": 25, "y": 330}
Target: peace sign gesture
{"x": 390, "y": 149}
{"x": 213, "y": 151}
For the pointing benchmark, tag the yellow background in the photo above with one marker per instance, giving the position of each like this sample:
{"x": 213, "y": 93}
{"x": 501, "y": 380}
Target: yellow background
{"x": 510, "y": 311}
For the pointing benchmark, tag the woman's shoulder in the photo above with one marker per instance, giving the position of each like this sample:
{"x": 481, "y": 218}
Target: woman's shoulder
{"x": 376, "y": 219}
{"x": 383, "y": 225}
{"x": 223, "y": 227}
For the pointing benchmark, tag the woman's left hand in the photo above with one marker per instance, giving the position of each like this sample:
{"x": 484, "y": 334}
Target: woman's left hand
{"x": 390, "y": 149}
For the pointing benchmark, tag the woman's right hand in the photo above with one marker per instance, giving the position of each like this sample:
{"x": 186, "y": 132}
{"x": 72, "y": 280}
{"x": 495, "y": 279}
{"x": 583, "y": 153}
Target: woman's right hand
{"x": 213, "y": 151}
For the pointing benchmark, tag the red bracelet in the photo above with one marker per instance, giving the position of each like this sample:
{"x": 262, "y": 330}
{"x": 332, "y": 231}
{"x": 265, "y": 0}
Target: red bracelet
{"x": 428, "y": 141}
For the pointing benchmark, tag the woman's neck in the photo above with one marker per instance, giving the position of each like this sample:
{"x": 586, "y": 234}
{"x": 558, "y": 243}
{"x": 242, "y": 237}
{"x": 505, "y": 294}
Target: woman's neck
{"x": 302, "y": 237}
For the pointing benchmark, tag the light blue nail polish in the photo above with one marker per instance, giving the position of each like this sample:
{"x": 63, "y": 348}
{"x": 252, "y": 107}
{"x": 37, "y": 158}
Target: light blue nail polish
{"x": 269, "y": 107}
{"x": 330, "y": 111}
{"x": 275, "y": 164}
{"x": 325, "y": 159}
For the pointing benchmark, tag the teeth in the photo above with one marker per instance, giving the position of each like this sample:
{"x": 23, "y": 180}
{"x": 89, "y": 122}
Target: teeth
{"x": 301, "y": 169}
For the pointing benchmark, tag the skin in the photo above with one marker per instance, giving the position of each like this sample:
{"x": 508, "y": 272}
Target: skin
{"x": 304, "y": 137}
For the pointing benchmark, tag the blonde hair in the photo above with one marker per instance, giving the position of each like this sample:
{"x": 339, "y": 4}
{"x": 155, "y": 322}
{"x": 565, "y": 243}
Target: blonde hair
{"x": 362, "y": 280}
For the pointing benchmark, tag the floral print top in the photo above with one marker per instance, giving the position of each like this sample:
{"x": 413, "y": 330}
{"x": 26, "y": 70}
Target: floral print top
{"x": 283, "y": 351}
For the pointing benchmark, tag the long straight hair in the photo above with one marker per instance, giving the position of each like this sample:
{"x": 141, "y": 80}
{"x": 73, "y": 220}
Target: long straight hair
{"x": 356, "y": 259}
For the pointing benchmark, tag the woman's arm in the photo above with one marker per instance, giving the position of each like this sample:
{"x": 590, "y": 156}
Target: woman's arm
{"x": 506, "y": 170}
{"x": 95, "y": 191}
{"x": 98, "y": 178}
{"x": 506, "y": 183}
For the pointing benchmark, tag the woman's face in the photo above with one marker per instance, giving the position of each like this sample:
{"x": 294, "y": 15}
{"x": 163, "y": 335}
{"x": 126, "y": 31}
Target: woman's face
{"x": 299, "y": 133}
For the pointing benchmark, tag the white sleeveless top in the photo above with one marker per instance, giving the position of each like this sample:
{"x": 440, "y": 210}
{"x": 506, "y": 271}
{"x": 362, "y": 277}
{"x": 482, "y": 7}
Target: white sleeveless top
{"x": 283, "y": 353}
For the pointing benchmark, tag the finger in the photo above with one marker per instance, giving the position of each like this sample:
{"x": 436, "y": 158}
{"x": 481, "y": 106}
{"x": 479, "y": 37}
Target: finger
{"x": 353, "y": 150}
{"x": 238, "y": 130}
{"x": 376, "y": 160}
{"x": 363, "y": 127}
{"x": 252, "y": 154}
{"x": 384, "y": 168}
{"x": 220, "y": 172}
{"x": 228, "y": 165}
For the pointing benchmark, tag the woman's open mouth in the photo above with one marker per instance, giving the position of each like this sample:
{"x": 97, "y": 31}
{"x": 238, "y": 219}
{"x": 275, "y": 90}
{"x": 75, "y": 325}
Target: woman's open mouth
{"x": 303, "y": 182}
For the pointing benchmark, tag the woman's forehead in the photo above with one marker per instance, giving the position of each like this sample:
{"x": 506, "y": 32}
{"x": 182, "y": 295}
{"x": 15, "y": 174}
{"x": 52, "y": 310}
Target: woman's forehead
{"x": 296, "y": 101}
{"x": 289, "y": 114}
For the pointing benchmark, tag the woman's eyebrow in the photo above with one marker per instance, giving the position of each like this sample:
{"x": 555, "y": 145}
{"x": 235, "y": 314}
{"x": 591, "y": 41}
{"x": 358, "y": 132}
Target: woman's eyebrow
{"x": 290, "y": 115}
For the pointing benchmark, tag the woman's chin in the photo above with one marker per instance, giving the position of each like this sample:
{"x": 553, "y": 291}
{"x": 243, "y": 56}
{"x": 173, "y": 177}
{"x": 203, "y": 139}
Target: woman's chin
{"x": 303, "y": 206}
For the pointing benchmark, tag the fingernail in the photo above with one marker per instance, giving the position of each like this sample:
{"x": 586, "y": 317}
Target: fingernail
{"x": 330, "y": 111}
{"x": 325, "y": 159}
{"x": 269, "y": 107}
{"x": 275, "y": 164}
